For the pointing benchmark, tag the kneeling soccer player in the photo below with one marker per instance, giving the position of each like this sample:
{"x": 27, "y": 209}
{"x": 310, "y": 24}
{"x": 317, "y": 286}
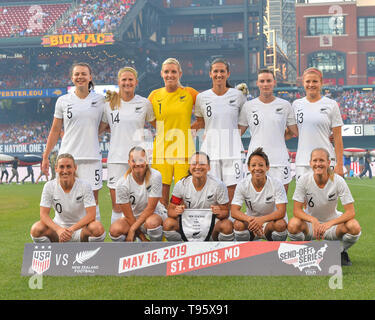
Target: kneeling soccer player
{"x": 138, "y": 193}
{"x": 74, "y": 204}
{"x": 320, "y": 190}
{"x": 198, "y": 210}
{"x": 265, "y": 200}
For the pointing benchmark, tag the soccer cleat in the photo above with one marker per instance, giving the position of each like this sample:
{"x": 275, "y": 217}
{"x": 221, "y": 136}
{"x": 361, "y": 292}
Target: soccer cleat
{"x": 345, "y": 260}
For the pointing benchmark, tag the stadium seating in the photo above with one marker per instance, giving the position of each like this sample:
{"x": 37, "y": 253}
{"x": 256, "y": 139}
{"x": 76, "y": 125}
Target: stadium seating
{"x": 21, "y": 20}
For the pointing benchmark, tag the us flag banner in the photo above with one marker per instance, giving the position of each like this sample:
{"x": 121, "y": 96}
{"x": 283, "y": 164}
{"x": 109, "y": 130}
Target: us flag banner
{"x": 355, "y": 167}
{"x": 41, "y": 259}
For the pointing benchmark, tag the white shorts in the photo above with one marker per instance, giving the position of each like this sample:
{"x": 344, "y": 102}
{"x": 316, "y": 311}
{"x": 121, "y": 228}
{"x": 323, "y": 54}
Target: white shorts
{"x": 227, "y": 170}
{"x": 91, "y": 171}
{"x": 282, "y": 173}
{"x": 114, "y": 172}
{"x": 330, "y": 234}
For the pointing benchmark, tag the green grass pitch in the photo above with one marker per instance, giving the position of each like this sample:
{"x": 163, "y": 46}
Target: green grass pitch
{"x": 19, "y": 209}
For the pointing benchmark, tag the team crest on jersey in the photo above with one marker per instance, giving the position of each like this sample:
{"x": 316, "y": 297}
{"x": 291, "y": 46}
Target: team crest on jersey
{"x": 331, "y": 197}
{"x": 182, "y": 98}
{"x": 41, "y": 259}
{"x": 324, "y": 110}
{"x": 279, "y": 110}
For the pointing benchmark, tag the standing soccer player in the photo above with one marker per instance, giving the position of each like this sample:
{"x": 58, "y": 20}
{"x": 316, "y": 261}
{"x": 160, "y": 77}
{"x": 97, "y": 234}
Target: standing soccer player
{"x": 317, "y": 117}
{"x": 80, "y": 113}
{"x": 268, "y": 118}
{"x": 320, "y": 190}
{"x": 217, "y": 110}
{"x": 173, "y": 144}
{"x": 125, "y": 114}
{"x": 265, "y": 199}
{"x": 74, "y": 205}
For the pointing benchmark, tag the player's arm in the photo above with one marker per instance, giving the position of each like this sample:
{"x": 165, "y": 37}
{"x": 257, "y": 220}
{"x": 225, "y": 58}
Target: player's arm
{"x": 299, "y": 213}
{"x": 88, "y": 218}
{"x": 53, "y": 137}
{"x": 221, "y": 210}
{"x": 176, "y": 207}
{"x": 198, "y": 124}
{"x": 339, "y": 150}
{"x": 278, "y": 214}
{"x": 46, "y": 220}
{"x": 242, "y": 129}
{"x": 103, "y": 127}
{"x": 349, "y": 213}
{"x": 291, "y": 132}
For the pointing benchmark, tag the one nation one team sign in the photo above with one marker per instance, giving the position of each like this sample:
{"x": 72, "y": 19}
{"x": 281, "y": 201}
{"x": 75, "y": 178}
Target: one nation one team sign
{"x": 186, "y": 258}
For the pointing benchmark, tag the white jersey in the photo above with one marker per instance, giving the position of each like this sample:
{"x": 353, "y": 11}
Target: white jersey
{"x": 267, "y": 123}
{"x": 129, "y": 191}
{"x": 69, "y": 207}
{"x": 222, "y": 139}
{"x": 127, "y": 127}
{"x": 322, "y": 203}
{"x": 315, "y": 122}
{"x": 214, "y": 192}
{"x": 263, "y": 202}
{"x": 81, "y": 119}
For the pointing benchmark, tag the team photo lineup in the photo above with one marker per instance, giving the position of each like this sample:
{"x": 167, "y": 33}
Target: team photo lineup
{"x": 211, "y": 178}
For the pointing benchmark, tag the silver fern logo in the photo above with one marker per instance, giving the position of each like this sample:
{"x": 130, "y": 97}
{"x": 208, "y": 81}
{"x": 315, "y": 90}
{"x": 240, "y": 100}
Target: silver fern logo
{"x": 83, "y": 256}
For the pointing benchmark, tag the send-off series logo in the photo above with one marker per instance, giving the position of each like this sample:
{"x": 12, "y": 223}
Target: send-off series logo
{"x": 302, "y": 257}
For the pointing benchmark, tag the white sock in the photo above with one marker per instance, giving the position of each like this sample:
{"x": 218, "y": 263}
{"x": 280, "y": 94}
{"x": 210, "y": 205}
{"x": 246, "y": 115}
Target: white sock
{"x": 279, "y": 236}
{"x": 43, "y": 239}
{"x": 225, "y": 237}
{"x": 349, "y": 239}
{"x": 115, "y": 216}
{"x": 296, "y": 237}
{"x": 155, "y": 234}
{"x": 98, "y": 239}
{"x": 172, "y": 236}
{"x": 97, "y": 213}
{"x": 120, "y": 238}
{"x": 242, "y": 235}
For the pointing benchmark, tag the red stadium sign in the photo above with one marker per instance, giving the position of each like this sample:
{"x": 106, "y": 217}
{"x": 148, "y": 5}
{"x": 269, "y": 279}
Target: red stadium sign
{"x": 77, "y": 40}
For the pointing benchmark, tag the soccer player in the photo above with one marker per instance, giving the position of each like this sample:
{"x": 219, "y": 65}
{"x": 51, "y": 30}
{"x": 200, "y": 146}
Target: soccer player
{"x": 320, "y": 190}
{"x": 265, "y": 199}
{"x": 125, "y": 114}
{"x": 268, "y": 118}
{"x": 199, "y": 190}
{"x": 317, "y": 117}
{"x": 80, "y": 113}
{"x": 138, "y": 193}
{"x": 74, "y": 204}
{"x": 173, "y": 144}
{"x": 217, "y": 110}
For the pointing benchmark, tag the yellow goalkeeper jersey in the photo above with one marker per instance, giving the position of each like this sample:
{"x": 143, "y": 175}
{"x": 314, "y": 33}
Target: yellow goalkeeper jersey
{"x": 173, "y": 111}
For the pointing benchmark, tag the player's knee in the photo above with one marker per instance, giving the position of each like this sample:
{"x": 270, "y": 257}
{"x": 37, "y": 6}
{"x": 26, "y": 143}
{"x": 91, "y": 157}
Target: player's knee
{"x": 294, "y": 225}
{"x": 353, "y": 227}
{"x": 170, "y": 224}
{"x": 115, "y": 230}
{"x": 226, "y": 226}
{"x": 37, "y": 229}
{"x": 96, "y": 228}
{"x": 153, "y": 221}
{"x": 239, "y": 225}
{"x": 280, "y": 225}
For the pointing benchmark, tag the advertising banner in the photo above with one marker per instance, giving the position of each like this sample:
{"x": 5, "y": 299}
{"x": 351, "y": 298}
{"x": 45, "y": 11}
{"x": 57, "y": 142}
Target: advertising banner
{"x": 177, "y": 258}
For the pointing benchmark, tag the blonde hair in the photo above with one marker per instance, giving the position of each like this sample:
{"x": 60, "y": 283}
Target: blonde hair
{"x": 148, "y": 170}
{"x": 330, "y": 172}
{"x": 176, "y": 63}
{"x": 313, "y": 70}
{"x": 113, "y": 97}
